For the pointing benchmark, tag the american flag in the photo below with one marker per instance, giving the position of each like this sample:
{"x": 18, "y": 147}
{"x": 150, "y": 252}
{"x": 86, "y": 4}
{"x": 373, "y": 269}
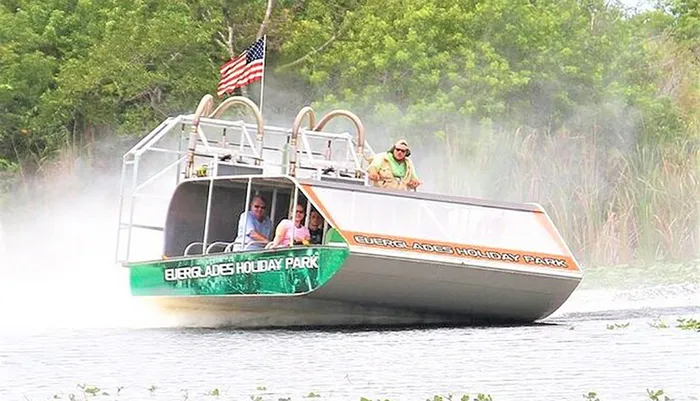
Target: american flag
{"x": 244, "y": 69}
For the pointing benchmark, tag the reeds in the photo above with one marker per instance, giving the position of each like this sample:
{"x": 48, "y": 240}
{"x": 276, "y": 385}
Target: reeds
{"x": 612, "y": 206}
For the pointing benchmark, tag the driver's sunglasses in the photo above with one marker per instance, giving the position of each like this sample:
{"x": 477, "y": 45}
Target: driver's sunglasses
{"x": 400, "y": 150}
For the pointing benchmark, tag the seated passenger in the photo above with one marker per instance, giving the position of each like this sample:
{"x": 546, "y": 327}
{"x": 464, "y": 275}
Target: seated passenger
{"x": 393, "y": 169}
{"x": 283, "y": 234}
{"x": 258, "y": 228}
{"x": 316, "y": 227}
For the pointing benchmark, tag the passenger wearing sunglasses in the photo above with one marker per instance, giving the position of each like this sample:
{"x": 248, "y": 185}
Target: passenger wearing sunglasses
{"x": 258, "y": 228}
{"x": 286, "y": 229}
{"x": 393, "y": 168}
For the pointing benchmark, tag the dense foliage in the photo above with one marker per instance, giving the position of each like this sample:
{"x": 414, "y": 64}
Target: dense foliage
{"x": 581, "y": 105}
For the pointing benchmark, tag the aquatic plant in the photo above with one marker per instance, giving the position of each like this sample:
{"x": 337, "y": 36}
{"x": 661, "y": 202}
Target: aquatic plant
{"x": 591, "y": 396}
{"x": 688, "y": 324}
{"x": 617, "y": 326}
{"x": 658, "y": 323}
{"x": 91, "y": 390}
{"x": 655, "y": 395}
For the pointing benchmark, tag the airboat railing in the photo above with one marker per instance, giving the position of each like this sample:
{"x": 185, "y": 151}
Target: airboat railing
{"x": 301, "y": 149}
{"x": 293, "y": 145}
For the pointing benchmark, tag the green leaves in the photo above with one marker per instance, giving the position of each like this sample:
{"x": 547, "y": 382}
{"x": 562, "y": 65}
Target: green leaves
{"x": 500, "y": 60}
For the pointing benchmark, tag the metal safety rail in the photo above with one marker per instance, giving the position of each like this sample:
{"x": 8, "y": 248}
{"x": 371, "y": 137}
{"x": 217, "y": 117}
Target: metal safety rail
{"x": 204, "y": 144}
{"x": 355, "y": 151}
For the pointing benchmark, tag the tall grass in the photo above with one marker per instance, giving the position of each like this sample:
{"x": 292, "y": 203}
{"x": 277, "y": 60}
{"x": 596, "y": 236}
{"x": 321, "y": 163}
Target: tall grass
{"x": 612, "y": 206}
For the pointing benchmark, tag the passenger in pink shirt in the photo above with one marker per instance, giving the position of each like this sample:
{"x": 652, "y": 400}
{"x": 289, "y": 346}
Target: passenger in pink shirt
{"x": 283, "y": 234}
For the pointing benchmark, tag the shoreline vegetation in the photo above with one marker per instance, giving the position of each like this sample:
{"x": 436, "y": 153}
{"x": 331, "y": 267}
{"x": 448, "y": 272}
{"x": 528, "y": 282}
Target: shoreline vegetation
{"x": 88, "y": 392}
{"x": 586, "y": 107}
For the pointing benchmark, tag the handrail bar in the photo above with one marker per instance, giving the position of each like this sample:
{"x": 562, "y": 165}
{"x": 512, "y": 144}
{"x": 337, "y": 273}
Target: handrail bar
{"x": 187, "y": 248}
{"x": 167, "y": 122}
{"x": 216, "y": 243}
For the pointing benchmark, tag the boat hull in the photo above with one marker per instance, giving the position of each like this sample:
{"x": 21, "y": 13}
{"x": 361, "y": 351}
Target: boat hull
{"x": 466, "y": 290}
{"x": 368, "y": 289}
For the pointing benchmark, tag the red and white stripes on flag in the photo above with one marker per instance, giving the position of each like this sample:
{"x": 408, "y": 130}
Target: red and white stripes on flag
{"x": 246, "y": 68}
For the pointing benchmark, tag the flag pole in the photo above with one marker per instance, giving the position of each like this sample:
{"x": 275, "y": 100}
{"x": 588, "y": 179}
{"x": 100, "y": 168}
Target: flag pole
{"x": 262, "y": 81}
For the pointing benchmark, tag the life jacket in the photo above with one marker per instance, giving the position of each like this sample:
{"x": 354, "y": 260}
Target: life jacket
{"x": 386, "y": 174}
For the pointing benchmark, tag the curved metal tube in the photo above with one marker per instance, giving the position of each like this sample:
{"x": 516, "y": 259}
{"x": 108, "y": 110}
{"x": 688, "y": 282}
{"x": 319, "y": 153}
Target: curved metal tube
{"x": 256, "y": 111}
{"x": 352, "y": 117}
{"x": 222, "y": 244}
{"x": 204, "y": 108}
{"x": 305, "y": 111}
{"x": 191, "y": 245}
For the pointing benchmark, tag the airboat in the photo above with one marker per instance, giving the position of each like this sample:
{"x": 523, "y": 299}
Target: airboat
{"x": 386, "y": 256}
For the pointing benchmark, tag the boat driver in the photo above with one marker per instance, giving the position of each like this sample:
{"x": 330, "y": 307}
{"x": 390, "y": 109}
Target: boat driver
{"x": 257, "y": 229}
{"x": 394, "y": 169}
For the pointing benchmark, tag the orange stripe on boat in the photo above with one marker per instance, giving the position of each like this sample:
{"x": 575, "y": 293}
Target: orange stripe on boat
{"x": 396, "y": 243}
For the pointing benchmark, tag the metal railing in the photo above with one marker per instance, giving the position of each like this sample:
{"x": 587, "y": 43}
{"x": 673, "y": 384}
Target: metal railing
{"x": 205, "y": 138}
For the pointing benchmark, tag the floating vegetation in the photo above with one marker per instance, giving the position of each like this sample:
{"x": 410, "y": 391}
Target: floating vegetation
{"x": 688, "y": 324}
{"x": 90, "y": 392}
{"x": 658, "y": 323}
{"x": 591, "y": 396}
{"x": 656, "y": 395}
{"x": 465, "y": 397}
{"x": 617, "y": 326}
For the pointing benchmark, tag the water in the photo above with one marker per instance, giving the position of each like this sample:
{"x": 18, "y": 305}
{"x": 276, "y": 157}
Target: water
{"x": 558, "y": 361}
{"x": 68, "y": 320}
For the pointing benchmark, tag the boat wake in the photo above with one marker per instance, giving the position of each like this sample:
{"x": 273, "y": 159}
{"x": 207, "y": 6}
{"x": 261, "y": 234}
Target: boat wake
{"x": 648, "y": 301}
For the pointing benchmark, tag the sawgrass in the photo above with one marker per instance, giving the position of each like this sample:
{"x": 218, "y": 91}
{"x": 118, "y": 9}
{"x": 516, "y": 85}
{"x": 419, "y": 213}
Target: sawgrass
{"x": 612, "y": 207}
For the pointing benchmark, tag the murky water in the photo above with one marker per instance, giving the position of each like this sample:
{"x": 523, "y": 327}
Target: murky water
{"x": 68, "y": 320}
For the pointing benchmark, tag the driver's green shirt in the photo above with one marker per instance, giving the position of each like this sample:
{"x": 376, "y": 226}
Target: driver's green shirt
{"x": 399, "y": 169}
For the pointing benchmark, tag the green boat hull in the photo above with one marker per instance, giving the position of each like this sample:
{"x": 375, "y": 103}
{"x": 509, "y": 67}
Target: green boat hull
{"x": 290, "y": 271}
